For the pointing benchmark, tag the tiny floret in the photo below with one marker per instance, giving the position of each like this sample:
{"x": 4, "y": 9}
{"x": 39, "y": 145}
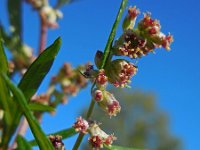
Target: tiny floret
{"x": 81, "y": 125}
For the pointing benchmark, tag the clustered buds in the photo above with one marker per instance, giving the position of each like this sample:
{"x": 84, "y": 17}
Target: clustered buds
{"x": 56, "y": 140}
{"x": 98, "y": 138}
{"x": 81, "y": 125}
{"x": 48, "y": 14}
{"x": 133, "y": 43}
{"x": 120, "y": 72}
{"x": 129, "y": 20}
{"x": 107, "y": 102}
{"x": 138, "y": 42}
{"x": 70, "y": 80}
{"x": 101, "y": 78}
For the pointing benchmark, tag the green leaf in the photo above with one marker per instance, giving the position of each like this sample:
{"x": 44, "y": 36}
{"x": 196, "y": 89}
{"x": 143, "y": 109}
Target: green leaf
{"x": 39, "y": 135}
{"x": 40, "y": 107}
{"x": 66, "y": 133}
{"x": 38, "y": 70}
{"x": 3, "y": 62}
{"x": 22, "y": 144}
{"x": 15, "y": 13}
{"x": 5, "y": 102}
{"x": 33, "y": 78}
{"x": 115, "y": 147}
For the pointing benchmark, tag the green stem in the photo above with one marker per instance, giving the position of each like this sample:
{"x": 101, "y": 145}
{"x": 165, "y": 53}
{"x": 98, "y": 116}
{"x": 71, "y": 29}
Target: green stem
{"x": 113, "y": 32}
{"x": 105, "y": 57}
{"x": 81, "y": 135}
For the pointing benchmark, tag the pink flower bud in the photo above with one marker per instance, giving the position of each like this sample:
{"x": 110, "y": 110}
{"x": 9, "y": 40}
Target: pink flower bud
{"x": 129, "y": 20}
{"x": 56, "y": 140}
{"x": 98, "y": 58}
{"x": 120, "y": 71}
{"x": 133, "y": 12}
{"x": 81, "y": 125}
{"x": 98, "y": 138}
{"x": 96, "y": 142}
{"x": 101, "y": 78}
{"x": 98, "y": 95}
{"x": 109, "y": 104}
{"x": 166, "y": 42}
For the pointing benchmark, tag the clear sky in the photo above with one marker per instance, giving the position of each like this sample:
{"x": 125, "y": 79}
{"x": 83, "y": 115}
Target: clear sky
{"x": 174, "y": 76}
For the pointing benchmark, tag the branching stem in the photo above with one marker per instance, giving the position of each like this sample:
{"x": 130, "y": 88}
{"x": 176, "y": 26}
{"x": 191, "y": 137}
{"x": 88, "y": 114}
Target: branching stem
{"x": 105, "y": 58}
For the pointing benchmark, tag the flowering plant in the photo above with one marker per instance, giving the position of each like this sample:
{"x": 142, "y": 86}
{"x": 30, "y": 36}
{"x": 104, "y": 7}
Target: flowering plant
{"x": 136, "y": 41}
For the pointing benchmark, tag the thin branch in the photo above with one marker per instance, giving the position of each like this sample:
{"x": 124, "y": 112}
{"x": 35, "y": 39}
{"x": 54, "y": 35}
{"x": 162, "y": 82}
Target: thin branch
{"x": 43, "y": 34}
{"x": 105, "y": 57}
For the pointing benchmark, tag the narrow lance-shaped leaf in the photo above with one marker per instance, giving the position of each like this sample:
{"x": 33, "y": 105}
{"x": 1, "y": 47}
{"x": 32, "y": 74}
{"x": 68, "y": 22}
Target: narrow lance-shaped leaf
{"x": 33, "y": 78}
{"x": 38, "y": 70}
{"x": 39, "y": 135}
{"x": 66, "y": 133}
{"x": 22, "y": 144}
{"x": 41, "y": 107}
{"x": 5, "y": 102}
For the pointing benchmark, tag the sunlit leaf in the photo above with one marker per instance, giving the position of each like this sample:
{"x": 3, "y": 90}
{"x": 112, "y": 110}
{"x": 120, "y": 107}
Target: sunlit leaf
{"x": 39, "y": 135}
{"x": 40, "y": 107}
{"x": 38, "y": 70}
{"x": 33, "y": 78}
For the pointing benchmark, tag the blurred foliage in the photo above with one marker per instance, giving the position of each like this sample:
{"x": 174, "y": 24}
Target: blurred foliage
{"x": 140, "y": 124}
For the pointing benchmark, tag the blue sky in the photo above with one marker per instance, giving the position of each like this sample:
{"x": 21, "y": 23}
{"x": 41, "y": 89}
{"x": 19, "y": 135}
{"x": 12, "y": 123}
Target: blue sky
{"x": 174, "y": 76}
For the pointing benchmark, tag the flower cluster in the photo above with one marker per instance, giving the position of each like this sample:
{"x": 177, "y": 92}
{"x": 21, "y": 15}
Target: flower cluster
{"x": 138, "y": 42}
{"x": 81, "y": 125}
{"x": 68, "y": 82}
{"x": 134, "y": 43}
{"x": 49, "y": 14}
{"x": 120, "y": 71}
{"x": 56, "y": 140}
{"x": 107, "y": 102}
{"x": 98, "y": 138}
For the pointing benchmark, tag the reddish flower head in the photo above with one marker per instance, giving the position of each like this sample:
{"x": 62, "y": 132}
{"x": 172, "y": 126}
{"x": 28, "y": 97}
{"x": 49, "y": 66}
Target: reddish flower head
{"x": 101, "y": 78}
{"x": 120, "y": 71}
{"x": 98, "y": 138}
{"x": 109, "y": 104}
{"x": 81, "y": 125}
{"x": 56, "y": 140}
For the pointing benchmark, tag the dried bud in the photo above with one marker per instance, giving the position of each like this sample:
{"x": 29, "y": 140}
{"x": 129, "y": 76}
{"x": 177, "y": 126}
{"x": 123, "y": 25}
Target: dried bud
{"x": 97, "y": 95}
{"x": 56, "y": 140}
{"x": 109, "y": 104}
{"x": 81, "y": 125}
{"x": 98, "y": 58}
{"x": 98, "y": 138}
{"x": 148, "y": 25}
{"x": 129, "y": 20}
{"x": 101, "y": 78}
{"x": 166, "y": 42}
{"x": 120, "y": 71}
